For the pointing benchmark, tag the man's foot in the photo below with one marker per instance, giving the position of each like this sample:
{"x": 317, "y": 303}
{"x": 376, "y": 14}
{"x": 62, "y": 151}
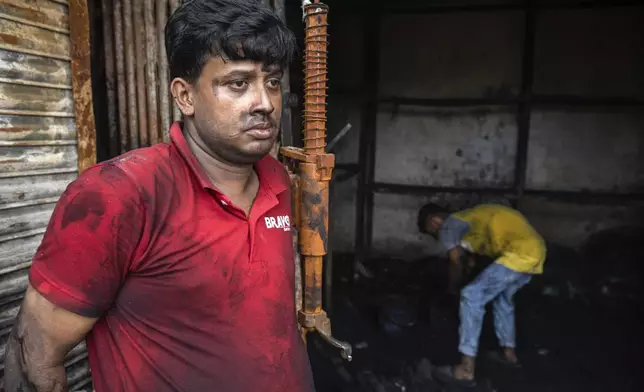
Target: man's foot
{"x": 461, "y": 374}
{"x": 510, "y": 356}
{"x": 507, "y": 358}
{"x": 465, "y": 369}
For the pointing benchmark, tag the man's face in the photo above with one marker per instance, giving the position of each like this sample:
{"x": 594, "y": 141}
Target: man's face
{"x": 237, "y": 107}
{"x": 433, "y": 225}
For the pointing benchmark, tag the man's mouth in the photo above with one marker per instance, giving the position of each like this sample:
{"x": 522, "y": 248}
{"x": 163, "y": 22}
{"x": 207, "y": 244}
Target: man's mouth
{"x": 261, "y": 131}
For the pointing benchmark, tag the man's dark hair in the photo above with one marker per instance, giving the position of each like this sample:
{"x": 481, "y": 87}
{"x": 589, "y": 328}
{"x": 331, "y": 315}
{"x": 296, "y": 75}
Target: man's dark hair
{"x": 233, "y": 29}
{"x": 427, "y": 211}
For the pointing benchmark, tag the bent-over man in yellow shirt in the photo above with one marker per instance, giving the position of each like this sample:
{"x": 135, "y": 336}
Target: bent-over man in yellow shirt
{"x": 519, "y": 252}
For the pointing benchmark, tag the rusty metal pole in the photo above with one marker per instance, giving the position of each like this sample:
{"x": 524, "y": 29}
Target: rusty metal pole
{"x": 314, "y": 174}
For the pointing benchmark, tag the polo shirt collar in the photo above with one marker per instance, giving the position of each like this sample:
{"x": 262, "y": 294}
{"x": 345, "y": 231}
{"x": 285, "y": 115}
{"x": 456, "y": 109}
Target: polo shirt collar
{"x": 269, "y": 170}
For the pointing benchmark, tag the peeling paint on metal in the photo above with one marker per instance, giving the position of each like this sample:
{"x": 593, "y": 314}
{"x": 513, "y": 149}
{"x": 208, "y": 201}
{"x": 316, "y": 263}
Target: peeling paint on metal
{"x": 30, "y": 39}
{"x": 21, "y": 97}
{"x": 25, "y": 68}
{"x": 30, "y": 128}
{"x": 43, "y": 14}
{"x": 18, "y": 159}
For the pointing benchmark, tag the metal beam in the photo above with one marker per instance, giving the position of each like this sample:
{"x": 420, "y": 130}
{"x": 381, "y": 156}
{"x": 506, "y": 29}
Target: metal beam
{"x": 567, "y": 195}
{"x": 448, "y": 102}
{"x": 415, "y": 8}
{"x": 525, "y": 107}
{"x": 367, "y": 138}
{"x": 536, "y": 99}
{"x": 422, "y": 190}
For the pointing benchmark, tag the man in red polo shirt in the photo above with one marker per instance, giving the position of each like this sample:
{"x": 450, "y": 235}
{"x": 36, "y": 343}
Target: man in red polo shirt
{"x": 175, "y": 261}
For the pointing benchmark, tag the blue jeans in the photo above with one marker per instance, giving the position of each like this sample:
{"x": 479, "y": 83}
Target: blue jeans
{"x": 496, "y": 283}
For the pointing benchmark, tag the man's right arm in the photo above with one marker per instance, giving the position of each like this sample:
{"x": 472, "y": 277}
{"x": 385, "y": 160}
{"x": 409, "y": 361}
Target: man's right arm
{"x": 455, "y": 270}
{"x": 41, "y": 338}
{"x": 451, "y": 234}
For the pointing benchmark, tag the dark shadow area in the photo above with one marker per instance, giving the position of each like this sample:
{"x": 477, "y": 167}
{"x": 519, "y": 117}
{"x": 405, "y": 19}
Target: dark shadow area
{"x": 573, "y": 335}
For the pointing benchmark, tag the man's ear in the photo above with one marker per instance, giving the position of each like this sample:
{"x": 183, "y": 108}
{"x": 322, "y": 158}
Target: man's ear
{"x": 183, "y": 94}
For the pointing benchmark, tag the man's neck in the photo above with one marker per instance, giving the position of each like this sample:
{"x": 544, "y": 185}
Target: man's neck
{"x": 228, "y": 178}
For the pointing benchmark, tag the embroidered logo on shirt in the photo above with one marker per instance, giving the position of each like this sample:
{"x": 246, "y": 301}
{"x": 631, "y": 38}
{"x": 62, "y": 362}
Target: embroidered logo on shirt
{"x": 279, "y": 222}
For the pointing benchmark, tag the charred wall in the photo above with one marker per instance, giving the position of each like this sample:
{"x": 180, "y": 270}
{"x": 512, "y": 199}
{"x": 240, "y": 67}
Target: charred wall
{"x": 465, "y": 70}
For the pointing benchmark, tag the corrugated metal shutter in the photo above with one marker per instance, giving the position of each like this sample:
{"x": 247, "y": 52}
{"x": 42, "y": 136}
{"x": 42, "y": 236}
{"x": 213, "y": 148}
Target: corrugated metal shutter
{"x": 38, "y": 155}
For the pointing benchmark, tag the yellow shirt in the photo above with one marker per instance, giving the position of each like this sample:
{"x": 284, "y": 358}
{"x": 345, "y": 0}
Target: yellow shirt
{"x": 504, "y": 234}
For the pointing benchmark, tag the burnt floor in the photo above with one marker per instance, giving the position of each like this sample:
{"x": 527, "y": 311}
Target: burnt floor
{"x": 566, "y": 342}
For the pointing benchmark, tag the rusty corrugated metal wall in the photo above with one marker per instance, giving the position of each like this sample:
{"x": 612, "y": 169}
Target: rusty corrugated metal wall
{"x": 38, "y": 147}
{"x": 140, "y": 108}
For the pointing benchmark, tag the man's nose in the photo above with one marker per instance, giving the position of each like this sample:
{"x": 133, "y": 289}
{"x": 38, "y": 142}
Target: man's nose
{"x": 263, "y": 103}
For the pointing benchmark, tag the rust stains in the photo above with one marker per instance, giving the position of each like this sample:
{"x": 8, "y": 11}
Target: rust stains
{"x": 30, "y": 39}
{"x": 33, "y": 98}
{"x": 45, "y": 14}
{"x": 22, "y": 159}
{"x": 32, "y": 128}
{"x": 82, "y": 84}
{"x": 15, "y": 129}
{"x": 26, "y": 68}
{"x": 8, "y": 39}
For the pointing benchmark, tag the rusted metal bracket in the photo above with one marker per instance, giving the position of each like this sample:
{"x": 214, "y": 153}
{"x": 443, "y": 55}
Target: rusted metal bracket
{"x": 321, "y": 323}
{"x": 324, "y": 163}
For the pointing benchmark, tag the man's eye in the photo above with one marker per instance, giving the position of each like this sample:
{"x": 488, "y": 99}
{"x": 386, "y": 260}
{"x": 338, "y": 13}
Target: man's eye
{"x": 238, "y": 84}
{"x": 274, "y": 83}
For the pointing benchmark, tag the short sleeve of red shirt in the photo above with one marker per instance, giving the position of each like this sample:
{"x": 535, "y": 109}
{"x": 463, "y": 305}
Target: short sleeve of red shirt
{"x": 89, "y": 243}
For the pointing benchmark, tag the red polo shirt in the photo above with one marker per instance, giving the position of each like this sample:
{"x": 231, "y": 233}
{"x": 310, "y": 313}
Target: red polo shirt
{"x": 191, "y": 294}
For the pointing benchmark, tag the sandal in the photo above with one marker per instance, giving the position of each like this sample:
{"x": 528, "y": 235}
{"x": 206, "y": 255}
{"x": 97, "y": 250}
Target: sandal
{"x": 499, "y": 358}
{"x": 445, "y": 375}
